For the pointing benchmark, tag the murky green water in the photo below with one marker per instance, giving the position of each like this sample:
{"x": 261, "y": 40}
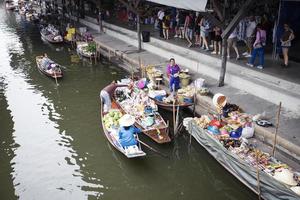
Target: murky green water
{"x": 51, "y": 141}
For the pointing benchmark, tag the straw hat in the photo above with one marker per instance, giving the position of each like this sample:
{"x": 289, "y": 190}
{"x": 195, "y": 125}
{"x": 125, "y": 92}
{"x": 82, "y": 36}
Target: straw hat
{"x": 127, "y": 120}
{"x": 219, "y": 100}
{"x": 285, "y": 176}
{"x": 296, "y": 190}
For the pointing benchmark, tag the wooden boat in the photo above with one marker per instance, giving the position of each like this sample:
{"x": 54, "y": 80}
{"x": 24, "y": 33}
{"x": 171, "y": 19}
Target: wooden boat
{"x": 56, "y": 73}
{"x": 81, "y": 50}
{"x": 51, "y": 38}
{"x": 170, "y": 106}
{"x": 157, "y": 132}
{"x": 113, "y": 138}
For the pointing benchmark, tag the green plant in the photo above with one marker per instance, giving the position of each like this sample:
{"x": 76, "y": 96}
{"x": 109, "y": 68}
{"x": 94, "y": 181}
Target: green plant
{"x": 91, "y": 47}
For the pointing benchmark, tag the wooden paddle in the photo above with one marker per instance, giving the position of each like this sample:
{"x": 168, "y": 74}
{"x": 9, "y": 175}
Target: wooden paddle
{"x": 152, "y": 149}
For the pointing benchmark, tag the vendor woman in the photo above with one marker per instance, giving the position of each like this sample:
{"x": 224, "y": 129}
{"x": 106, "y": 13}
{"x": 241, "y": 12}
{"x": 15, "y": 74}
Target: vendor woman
{"x": 173, "y": 74}
{"x": 127, "y": 131}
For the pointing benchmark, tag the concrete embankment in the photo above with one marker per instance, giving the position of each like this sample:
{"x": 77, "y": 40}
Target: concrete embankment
{"x": 254, "y": 91}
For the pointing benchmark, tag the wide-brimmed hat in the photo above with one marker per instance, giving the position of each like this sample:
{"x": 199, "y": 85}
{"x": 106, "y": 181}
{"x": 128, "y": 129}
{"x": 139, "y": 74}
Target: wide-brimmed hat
{"x": 127, "y": 120}
{"x": 285, "y": 176}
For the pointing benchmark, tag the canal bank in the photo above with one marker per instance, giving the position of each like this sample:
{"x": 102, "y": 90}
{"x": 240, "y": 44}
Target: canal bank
{"x": 119, "y": 45}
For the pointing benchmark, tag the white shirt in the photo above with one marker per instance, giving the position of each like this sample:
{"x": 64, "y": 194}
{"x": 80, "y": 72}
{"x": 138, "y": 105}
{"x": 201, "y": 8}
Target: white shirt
{"x": 160, "y": 15}
{"x": 233, "y": 34}
{"x": 250, "y": 28}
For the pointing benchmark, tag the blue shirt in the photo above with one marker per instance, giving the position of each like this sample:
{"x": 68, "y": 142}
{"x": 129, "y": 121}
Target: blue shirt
{"x": 126, "y": 137}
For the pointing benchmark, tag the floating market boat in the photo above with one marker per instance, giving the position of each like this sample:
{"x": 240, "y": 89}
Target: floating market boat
{"x": 51, "y": 35}
{"x": 139, "y": 105}
{"x": 112, "y": 134}
{"x": 10, "y": 6}
{"x": 226, "y": 141}
{"x": 86, "y": 49}
{"x": 49, "y": 67}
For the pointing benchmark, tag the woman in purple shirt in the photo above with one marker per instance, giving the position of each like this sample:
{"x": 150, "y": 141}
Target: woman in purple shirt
{"x": 259, "y": 44}
{"x": 173, "y": 74}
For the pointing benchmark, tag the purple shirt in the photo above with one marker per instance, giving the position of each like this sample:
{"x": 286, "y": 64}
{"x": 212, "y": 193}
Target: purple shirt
{"x": 260, "y": 37}
{"x": 171, "y": 70}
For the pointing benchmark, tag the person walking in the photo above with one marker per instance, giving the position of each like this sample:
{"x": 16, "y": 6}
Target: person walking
{"x": 197, "y": 30}
{"x": 188, "y": 27}
{"x": 166, "y": 27}
{"x": 204, "y": 27}
{"x": 217, "y": 41}
{"x": 258, "y": 47}
{"x": 286, "y": 42}
{"x": 250, "y": 35}
{"x": 160, "y": 16}
{"x": 232, "y": 40}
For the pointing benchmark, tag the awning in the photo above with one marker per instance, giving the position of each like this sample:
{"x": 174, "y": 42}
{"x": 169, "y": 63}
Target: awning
{"x": 196, "y": 5}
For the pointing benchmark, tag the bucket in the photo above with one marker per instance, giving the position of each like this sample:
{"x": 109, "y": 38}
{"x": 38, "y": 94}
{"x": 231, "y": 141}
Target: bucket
{"x": 219, "y": 100}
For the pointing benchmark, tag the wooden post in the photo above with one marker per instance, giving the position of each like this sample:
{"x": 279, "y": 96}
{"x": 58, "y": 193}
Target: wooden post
{"x": 276, "y": 129}
{"x": 258, "y": 176}
{"x": 224, "y": 60}
{"x": 138, "y": 29}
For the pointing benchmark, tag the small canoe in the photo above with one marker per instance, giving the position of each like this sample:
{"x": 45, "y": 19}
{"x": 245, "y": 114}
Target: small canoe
{"x": 55, "y": 73}
{"x": 112, "y": 137}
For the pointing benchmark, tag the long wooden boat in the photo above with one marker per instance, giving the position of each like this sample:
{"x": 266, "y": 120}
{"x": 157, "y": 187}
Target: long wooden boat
{"x": 51, "y": 38}
{"x": 56, "y": 74}
{"x": 270, "y": 188}
{"x": 113, "y": 138}
{"x": 170, "y": 106}
{"x": 157, "y": 132}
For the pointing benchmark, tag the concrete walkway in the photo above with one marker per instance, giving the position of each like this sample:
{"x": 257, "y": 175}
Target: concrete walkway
{"x": 289, "y": 134}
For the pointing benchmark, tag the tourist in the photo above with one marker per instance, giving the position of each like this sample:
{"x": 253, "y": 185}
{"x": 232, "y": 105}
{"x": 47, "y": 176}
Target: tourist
{"x": 127, "y": 131}
{"x": 188, "y": 27}
{"x": 258, "y": 47}
{"x": 160, "y": 16}
{"x": 197, "y": 29}
{"x": 204, "y": 27}
{"x": 232, "y": 40}
{"x": 286, "y": 38}
{"x": 106, "y": 94}
{"x": 173, "y": 74}
{"x": 250, "y": 35}
{"x": 217, "y": 41}
{"x": 166, "y": 27}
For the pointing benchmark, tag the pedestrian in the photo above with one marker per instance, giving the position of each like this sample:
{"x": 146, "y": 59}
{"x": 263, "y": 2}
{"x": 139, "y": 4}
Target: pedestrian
{"x": 204, "y": 27}
{"x": 197, "y": 30}
{"x": 250, "y": 35}
{"x": 258, "y": 47}
{"x": 173, "y": 74}
{"x": 286, "y": 38}
{"x": 160, "y": 16}
{"x": 217, "y": 41}
{"x": 232, "y": 40}
{"x": 166, "y": 27}
{"x": 188, "y": 27}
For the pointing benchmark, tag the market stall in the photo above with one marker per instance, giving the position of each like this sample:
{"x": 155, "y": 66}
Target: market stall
{"x": 225, "y": 138}
{"x": 134, "y": 101}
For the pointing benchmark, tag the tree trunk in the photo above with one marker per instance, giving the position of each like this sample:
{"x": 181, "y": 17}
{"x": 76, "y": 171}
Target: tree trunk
{"x": 138, "y": 27}
{"x": 224, "y": 60}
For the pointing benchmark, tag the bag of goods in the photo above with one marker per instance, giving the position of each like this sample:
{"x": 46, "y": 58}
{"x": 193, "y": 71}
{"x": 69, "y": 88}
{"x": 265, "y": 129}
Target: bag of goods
{"x": 248, "y": 130}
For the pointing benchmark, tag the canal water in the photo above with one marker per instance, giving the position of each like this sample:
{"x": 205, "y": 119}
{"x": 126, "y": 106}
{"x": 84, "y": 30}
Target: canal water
{"x": 52, "y": 144}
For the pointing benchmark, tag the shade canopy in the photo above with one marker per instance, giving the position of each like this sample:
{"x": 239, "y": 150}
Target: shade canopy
{"x": 195, "y": 5}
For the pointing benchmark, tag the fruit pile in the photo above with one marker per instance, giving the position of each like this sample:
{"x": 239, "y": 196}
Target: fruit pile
{"x": 111, "y": 119}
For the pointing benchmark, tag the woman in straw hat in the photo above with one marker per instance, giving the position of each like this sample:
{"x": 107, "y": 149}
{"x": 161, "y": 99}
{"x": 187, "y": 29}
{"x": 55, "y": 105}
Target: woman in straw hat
{"x": 127, "y": 131}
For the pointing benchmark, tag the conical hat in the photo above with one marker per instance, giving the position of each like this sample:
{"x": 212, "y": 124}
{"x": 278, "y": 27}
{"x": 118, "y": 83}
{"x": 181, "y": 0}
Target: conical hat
{"x": 127, "y": 120}
{"x": 285, "y": 176}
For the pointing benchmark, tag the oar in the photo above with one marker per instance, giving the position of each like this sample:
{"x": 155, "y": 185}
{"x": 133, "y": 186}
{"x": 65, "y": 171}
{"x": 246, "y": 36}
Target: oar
{"x": 152, "y": 149}
{"x": 55, "y": 78}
